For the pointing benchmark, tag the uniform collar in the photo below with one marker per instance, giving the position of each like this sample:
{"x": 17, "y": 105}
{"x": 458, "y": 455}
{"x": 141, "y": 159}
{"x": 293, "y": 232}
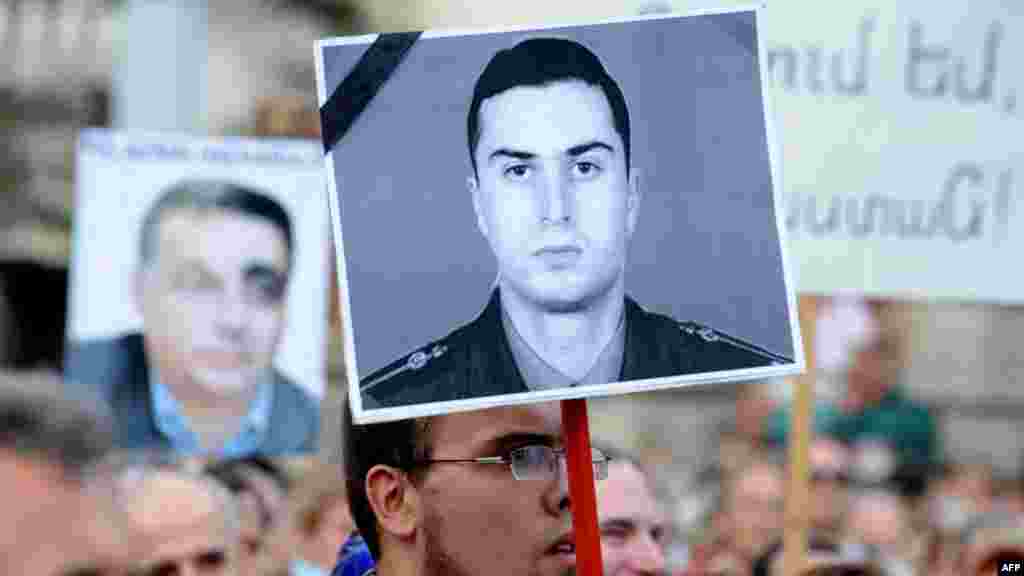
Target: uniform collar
{"x": 540, "y": 375}
{"x": 172, "y": 423}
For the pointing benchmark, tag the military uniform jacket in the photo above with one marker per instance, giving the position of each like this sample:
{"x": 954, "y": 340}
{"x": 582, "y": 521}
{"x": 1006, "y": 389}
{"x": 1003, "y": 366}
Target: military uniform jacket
{"x": 475, "y": 360}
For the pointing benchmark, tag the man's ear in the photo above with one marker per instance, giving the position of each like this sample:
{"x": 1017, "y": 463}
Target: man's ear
{"x": 633, "y": 201}
{"x": 394, "y": 500}
{"x": 473, "y": 185}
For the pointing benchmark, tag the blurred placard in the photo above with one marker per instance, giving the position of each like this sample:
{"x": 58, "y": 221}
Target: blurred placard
{"x": 903, "y": 160}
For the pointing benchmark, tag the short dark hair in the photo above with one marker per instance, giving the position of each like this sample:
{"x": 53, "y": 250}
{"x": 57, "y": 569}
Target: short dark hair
{"x": 44, "y": 420}
{"x": 234, "y": 474}
{"x": 257, "y": 462}
{"x": 540, "y": 62}
{"x": 195, "y": 194}
{"x": 399, "y": 444}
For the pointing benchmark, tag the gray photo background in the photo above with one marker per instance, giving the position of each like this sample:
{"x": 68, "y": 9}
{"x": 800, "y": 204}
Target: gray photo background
{"x": 706, "y": 246}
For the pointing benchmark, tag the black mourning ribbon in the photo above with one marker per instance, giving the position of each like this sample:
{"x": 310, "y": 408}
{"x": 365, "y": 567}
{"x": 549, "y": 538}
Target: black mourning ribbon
{"x": 350, "y": 98}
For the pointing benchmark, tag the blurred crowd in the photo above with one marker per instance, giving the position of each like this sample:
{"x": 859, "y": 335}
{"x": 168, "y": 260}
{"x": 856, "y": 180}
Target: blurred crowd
{"x": 882, "y": 491}
{"x": 77, "y": 506}
{"x": 882, "y": 500}
{"x": 866, "y": 506}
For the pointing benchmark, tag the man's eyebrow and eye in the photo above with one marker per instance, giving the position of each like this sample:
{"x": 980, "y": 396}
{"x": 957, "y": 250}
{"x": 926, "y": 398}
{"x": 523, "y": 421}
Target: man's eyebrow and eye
{"x": 572, "y": 151}
{"x": 594, "y": 145}
{"x": 507, "y": 442}
{"x": 511, "y": 153}
{"x": 262, "y": 272}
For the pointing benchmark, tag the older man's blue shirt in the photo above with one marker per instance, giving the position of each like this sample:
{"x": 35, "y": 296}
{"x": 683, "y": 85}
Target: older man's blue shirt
{"x": 173, "y": 424}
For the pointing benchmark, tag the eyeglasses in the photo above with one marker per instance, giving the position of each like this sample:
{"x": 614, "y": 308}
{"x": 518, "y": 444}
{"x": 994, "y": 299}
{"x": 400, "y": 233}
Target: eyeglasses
{"x": 532, "y": 462}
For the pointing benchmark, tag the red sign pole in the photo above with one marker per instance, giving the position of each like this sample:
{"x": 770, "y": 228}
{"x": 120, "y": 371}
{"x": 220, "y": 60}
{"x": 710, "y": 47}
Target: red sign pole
{"x": 581, "y": 488}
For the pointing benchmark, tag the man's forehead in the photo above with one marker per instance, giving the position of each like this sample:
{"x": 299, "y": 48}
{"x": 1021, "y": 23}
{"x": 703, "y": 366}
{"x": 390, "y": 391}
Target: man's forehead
{"x": 627, "y": 492}
{"x": 483, "y": 426}
{"x": 547, "y": 119}
{"x": 761, "y": 479}
{"x": 162, "y": 500}
{"x": 188, "y": 234}
{"x": 187, "y": 222}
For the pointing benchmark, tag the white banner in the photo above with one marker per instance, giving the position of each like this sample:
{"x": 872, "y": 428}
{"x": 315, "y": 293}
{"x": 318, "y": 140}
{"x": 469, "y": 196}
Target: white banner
{"x": 902, "y": 131}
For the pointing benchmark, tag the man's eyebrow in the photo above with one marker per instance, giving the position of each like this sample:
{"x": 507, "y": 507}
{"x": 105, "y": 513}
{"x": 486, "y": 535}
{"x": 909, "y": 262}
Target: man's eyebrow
{"x": 512, "y": 153}
{"x": 521, "y": 439}
{"x": 582, "y": 149}
{"x": 260, "y": 270}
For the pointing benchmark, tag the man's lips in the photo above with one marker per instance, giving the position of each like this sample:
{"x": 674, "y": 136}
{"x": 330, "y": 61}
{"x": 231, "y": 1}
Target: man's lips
{"x": 565, "y": 545}
{"x": 558, "y": 250}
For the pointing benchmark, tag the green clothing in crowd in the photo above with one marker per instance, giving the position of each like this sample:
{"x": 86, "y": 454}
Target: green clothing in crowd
{"x": 908, "y": 427}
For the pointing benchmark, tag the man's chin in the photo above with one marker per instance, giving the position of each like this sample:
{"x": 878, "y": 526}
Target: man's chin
{"x": 223, "y": 382}
{"x": 558, "y": 297}
{"x": 563, "y": 293}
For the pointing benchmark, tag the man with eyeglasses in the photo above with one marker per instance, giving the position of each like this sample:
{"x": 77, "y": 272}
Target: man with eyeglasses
{"x": 464, "y": 494}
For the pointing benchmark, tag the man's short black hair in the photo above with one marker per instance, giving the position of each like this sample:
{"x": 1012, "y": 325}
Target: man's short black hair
{"x": 227, "y": 468}
{"x": 399, "y": 444}
{"x": 540, "y": 62}
{"x": 205, "y": 195}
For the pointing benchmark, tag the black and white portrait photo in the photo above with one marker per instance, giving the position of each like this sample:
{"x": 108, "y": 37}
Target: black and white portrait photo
{"x": 537, "y": 214}
{"x": 198, "y": 305}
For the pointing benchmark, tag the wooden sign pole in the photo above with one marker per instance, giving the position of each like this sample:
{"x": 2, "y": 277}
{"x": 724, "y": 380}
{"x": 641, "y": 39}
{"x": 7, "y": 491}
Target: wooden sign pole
{"x": 582, "y": 493}
{"x": 797, "y": 521}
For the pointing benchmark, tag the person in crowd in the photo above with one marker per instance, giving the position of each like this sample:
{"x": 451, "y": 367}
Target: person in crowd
{"x": 631, "y": 517}
{"x": 992, "y": 538}
{"x": 465, "y": 493}
{"x": 260, "y": 489}
{"x": 1010, "y": 495}
{"x": 60, "y": 517}
{"x": 829, "y": 462}
{"x": 188, "y": 522}
{"x": 751, "y": 427}
{"x": 874, "y": 405}
{"x": 882, "y": 521}
{"x": 318, "y": 521}
{"x": 750, "y": 518}
{"x": 870, "y": 406}
{"x": 840, "y": 568}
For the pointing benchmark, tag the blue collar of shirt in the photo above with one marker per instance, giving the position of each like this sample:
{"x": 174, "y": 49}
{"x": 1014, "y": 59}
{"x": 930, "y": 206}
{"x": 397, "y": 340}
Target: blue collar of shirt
{"x": 170, "y": 421}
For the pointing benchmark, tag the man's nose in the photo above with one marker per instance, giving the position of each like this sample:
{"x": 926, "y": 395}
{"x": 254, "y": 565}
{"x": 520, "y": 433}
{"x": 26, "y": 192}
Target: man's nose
{"x": 557, "y": 197}
{"x": 646, "y": 555}
{"x": 557, "y": 497}
{"x": 232, "y": 312}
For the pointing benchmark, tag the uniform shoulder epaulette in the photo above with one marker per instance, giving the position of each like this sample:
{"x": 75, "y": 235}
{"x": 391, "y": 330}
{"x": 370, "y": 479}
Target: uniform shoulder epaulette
{"x": 413, "y": 362}
{"x": 710, "y": 335}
